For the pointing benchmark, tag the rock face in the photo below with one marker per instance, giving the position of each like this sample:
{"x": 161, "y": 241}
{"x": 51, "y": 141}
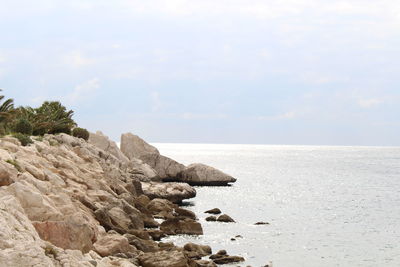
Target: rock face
{"x": 103, "y": 142}
{"x": 174, "y": 192}
{"x": 132, "y": 146}
{"x": 201, "y": 174}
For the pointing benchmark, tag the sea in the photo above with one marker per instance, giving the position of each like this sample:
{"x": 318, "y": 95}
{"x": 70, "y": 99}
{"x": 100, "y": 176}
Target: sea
{"x": 326, "y": 205}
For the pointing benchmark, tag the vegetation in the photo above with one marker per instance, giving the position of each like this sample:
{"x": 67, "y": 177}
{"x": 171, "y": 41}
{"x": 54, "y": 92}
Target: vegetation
{"x": 50, "y": 118}
{"x": 23, "y": 139}
{"x": 23, "y": 126}
{"x": 81, "y": 133}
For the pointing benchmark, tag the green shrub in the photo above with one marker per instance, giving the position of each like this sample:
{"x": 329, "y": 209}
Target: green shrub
{"x": 24, "y": 139}
{"x": 81, "y": 133}
{"x": 23, "y": 126}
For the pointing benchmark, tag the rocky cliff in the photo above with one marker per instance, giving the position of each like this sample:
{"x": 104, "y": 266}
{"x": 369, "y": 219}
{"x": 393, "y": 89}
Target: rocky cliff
{"x": 68, "y": 202}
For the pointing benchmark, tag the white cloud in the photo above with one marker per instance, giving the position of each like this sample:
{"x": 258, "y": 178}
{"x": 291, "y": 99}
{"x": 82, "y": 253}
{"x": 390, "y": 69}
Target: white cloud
{"x": 77, "y": 59}
{"x": 370, "y": 102}
{"x": 83, "y": 91}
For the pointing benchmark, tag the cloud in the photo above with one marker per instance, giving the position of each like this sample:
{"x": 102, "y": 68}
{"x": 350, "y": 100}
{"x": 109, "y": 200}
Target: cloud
{"x": 83, "y": 91}
{"x": 370, "y": 102}
{"x": 77, "y": 59}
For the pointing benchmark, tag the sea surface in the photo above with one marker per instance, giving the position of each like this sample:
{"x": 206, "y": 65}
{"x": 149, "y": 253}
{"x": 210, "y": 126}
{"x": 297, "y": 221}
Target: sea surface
{"x": 327, "y": 206}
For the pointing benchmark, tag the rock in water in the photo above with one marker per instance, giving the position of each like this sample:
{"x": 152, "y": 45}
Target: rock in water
{"x": 214, "y": 211}
{"x": 135, "y": 147}
{"x": 201, "y": 174}
{"x": 225, "y": 218}
{"x": 176, "y": 226}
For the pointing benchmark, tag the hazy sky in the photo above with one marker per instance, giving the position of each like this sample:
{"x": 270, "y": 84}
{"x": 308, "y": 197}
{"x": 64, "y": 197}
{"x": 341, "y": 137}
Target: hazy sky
{"x": 214, "y": 71}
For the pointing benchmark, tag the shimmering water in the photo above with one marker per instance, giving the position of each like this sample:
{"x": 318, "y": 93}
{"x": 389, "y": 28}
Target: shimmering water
{"x": 327, "y": 206}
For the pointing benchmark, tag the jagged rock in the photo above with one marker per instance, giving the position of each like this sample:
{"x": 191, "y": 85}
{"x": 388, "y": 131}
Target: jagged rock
{"x": 225, "y": 218}
{"x": 164, "y": 258}
{"x": 174, "y": 192}
{"x": 8, "y": 173}
{"x": 142, "y": 244}
{"x": 142, "y": 171}
{"x": 156, "y": 235}
{"x": 66, "y": 235}
{"x": 134, "y": 147}
{"x": 201, "y": 174}
{"x": 161, "y": 208}
{"x": 211, "y": 219}
{"x": 200, "y": 250}
{"x": 104, "y": 143}
{"x": 176, "y": 226}
{"x": 213, "y": 211}
{"x": 111, "y": 244}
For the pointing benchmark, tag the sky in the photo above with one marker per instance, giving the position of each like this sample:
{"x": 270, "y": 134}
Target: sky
{"x": 309, "y": 72}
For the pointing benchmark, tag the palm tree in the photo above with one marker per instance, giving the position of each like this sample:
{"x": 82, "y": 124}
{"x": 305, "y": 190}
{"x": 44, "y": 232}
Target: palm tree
{"x": 5, "y": 108}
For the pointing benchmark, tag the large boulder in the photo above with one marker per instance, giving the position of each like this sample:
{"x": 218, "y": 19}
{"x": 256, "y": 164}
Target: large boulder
{"x": 101, "y": 141}
{"x": 201, "y": 174}
{"x": 174, "y": 192}
{"x": 112, "y": 244}
{"x": 134, "y": 147}
{"x": 66, "y": 235}
{"x": 164, "y": 258}
{"x": 178, "y": 226}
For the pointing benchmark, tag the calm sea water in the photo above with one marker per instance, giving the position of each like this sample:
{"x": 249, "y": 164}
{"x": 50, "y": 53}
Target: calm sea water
{"x": 327, "y": 206}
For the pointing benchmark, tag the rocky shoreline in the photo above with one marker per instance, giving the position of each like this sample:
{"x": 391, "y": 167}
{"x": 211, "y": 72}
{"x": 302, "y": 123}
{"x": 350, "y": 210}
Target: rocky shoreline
{"x": 65, "y": 201}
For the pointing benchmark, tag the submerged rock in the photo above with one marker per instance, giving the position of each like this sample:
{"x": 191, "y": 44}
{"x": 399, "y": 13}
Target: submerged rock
{"x": 261, "y": 223}
{"x": 201, "y": 174}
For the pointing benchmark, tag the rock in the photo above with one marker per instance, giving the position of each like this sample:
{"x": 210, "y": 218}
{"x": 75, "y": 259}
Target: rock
{"x": 111, "y": 244}
{"x": 200, "y": 250}
{"x": 225, "y": 218}
{"x": 8, "y": 173}
{"x": 66, "y": 235}
{"x": 221, "y": 257}
{"x": 142, "y": 244}
{"x": 211, "y": 219}
{"x": 134, "y": 147}
{"x": 161, "y": 208}
{"x": 104, "y": 143}
{"x": 214, "y": 211}
{"x": 201, "y": 174}
{"x": 177, "y": 226}
{"x": 261, "y": 223}
{"x": 156, "y": 235}
{"x": 228, "y": 259}
{"x": 174, "y": 192}
{"x": 142, "y": 171}
{"x": 164, "y": 258}
{"x": 185, "y": 213}
{"x": 204, "y": 263}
